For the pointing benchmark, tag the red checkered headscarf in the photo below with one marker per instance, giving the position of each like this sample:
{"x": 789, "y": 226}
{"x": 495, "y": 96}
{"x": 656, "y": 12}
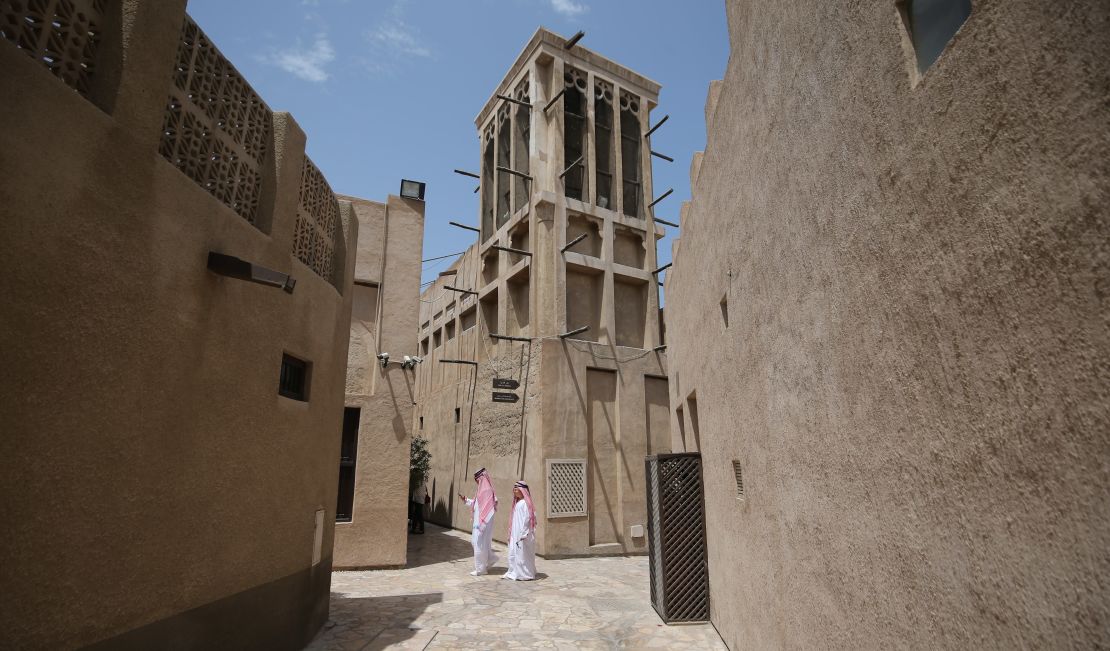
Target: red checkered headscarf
{"x": 523, "y": 487}
{"x": 486, "y": 500}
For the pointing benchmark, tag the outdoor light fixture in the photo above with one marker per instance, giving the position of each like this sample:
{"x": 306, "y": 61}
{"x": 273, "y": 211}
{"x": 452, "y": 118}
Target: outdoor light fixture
{"x": 412, "y": 189}
{"x": 232, "y": 267}
{"x": 411, "y": 362}
{"x": 384, "y": 359}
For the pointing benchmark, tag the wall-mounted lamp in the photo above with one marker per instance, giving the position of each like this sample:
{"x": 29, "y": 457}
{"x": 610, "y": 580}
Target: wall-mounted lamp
{"x": 384, "y": 359}
{"x": 412, "y": 189}
{"x": 232, "y": 267}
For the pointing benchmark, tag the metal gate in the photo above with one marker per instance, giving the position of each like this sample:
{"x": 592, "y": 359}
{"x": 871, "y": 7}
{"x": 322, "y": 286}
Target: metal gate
{"x": 676, "y": 537}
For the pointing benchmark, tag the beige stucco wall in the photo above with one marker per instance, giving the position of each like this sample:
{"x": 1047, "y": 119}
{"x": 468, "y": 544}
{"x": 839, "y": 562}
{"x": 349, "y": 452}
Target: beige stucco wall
{"x": 155, "y": 485}
{"x": 914, "y": 371}
{"x": 384, "y": 319}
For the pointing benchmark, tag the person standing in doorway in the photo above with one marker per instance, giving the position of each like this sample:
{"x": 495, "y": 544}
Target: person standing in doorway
{"x": 416, "y": 508}
{"x": 522, "y": 536}
{"x": 483, "y": 505}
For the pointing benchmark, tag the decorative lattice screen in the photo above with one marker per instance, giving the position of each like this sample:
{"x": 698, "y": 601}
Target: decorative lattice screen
{"x": 63, "y": 35}
{"x": 216, "y": 129}
{"x": 566, "y": 488}
{"x": 676, "y": 538}
{"x": 317, "y": 215}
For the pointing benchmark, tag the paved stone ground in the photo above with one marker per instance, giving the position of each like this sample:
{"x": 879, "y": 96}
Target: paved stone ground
{"x": 595, "y": 603}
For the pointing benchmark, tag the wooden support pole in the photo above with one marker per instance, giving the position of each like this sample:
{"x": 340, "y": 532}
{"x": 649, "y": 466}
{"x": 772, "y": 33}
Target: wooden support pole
{"x": 508, "y": 337}
{"x": 660, "y": 198}
{"x": 514, "y": 101}
{"x": 571, "y": 166}
{"x": 657, "y": 125}
{"x": 574, "y": 241}
{"x": 513, "y": 172}
{"x": 510, "y": 250}
{"x": 574, "y": 332}
{"x": 469, "y": 228}
{"x": 554, "y": 99}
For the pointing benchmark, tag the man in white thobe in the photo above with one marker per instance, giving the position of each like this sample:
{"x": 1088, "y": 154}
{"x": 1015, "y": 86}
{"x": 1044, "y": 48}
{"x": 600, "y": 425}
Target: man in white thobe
{"x": 522, "y": 536}
{"x": 483, "y": 505}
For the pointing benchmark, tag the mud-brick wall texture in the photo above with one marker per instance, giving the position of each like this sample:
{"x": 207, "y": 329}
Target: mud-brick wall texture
{"x": 383, "y": 320}
{"x": 157, "y": 490}
{"x": 913, "y": 373}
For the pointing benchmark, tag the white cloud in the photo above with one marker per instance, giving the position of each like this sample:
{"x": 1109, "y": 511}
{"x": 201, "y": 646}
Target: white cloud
{"x": 393, "y": 42}
{"x": 394, "y": 36}
{"x": 306, "y": 63}
{"x": 568, "y": 8}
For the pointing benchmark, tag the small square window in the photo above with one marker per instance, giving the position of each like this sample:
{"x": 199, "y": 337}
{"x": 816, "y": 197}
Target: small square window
{"x": 293, "y": 382}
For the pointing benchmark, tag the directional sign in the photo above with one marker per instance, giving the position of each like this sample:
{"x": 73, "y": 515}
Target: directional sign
{"x": 502, "y": 383}
{"x": 505, "y": 397}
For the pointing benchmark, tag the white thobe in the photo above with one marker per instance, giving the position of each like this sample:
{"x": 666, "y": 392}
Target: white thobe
{"x": 481, "y": 539}
{"x": 522, "y": 545}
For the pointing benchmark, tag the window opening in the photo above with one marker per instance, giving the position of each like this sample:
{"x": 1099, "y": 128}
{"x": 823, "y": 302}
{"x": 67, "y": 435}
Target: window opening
{"x": 522, "y": 134}
{"x": 504, "y": 180}
{"x": 293, "y": 381}
{"x": 347, "y": 453}
{"x": 574, "y": 132}
{"x": 736, "y": 471}
{"x": 630, "y": 153}
{"x": 603, "y": 138}
{"x": 487, "y": 183}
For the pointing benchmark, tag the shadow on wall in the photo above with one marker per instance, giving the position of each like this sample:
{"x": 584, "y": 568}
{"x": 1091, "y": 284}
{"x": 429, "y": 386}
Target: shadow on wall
{"x": 435, "y": 546}
{"x": 442, "y": 509}
{"x": 376, "y": 622}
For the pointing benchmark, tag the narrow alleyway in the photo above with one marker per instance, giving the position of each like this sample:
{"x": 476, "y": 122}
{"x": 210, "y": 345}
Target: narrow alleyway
{"x": 595, "y": 603}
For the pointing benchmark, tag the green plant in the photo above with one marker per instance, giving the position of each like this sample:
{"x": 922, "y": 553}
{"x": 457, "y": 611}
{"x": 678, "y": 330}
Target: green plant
{"x": 419, "y": 461}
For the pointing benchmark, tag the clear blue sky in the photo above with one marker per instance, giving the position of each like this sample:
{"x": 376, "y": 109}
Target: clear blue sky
{"x": 386, "y": 89}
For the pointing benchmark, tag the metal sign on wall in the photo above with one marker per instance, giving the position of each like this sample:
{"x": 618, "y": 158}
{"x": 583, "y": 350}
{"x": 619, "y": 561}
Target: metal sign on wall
{"x": 499, "y": 396}
{"x": 504, "y": 383}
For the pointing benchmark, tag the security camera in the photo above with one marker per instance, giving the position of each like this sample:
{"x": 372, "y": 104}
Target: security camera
{"x": 418, "y": 360}
{"x": 407, "y": 362}
{"x": 384, "y": 359}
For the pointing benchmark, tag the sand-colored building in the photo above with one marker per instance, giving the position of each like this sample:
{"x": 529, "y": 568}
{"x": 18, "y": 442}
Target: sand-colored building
{"x": 589, "y": 406}
{"x": 374, "y": 460}
{"x": 888, "y": 325}
{"x": 170, "y": 419}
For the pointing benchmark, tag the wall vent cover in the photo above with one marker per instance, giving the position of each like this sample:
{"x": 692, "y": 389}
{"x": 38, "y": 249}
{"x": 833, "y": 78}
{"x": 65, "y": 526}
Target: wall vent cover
{"x": 566, "y": 488}
{"x": 739, "y": 480}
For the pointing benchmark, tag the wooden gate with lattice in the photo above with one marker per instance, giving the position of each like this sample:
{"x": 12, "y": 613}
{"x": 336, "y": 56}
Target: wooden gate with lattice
{"x": 676, "y": 537}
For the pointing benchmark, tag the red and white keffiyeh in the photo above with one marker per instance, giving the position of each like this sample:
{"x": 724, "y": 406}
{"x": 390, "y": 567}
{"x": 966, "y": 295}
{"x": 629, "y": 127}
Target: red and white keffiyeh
{"x": 527, "y": 497}
{"x": 485, "y": 499}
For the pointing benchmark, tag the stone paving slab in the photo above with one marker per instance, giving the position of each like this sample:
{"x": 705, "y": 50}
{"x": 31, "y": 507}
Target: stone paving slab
{"x": 582, "y": 603}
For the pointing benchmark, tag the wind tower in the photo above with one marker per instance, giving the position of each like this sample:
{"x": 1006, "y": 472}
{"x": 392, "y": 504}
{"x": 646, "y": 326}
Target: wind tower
{"x": 559, "y": 297}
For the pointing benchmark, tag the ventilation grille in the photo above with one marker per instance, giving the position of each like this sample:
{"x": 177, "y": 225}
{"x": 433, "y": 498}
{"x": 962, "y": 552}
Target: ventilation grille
{"x": 566, "y": 488}
{"x": 676, "y": 544}
{"x": 739, "y": 480}
{"x": 216, "y": 129}
{"x": 63, "y": 35}
{"x": 317, "y": 217}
